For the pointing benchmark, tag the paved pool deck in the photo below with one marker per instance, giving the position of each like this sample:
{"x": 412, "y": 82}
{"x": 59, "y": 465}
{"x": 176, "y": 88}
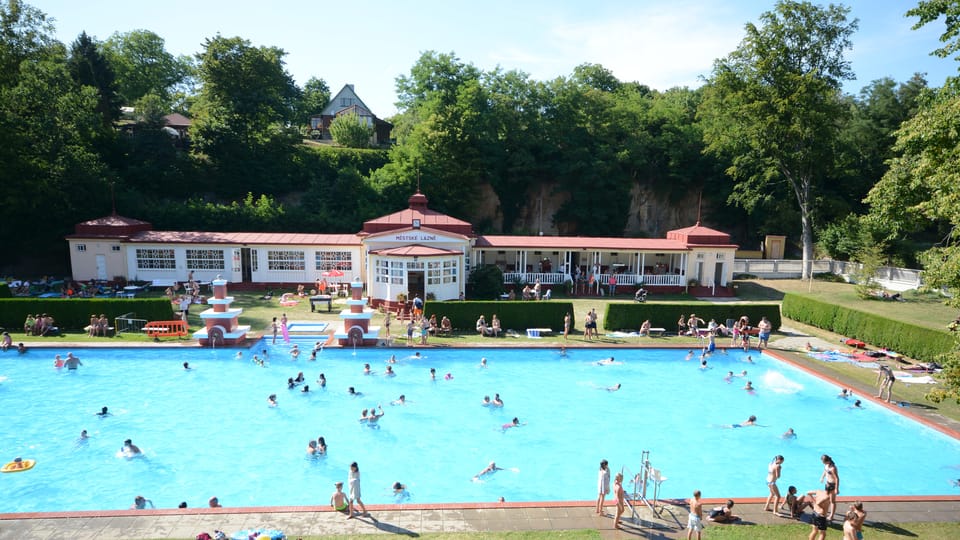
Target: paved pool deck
{"x": 398, "y": 520}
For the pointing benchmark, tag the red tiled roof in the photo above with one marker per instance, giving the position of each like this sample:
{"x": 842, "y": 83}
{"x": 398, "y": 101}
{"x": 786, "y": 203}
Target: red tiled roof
{"x": 415, "y": 250}
{"x": 699, "y": 235}
{"x": 418, "y": 210}
{"x": 579, "y": 242}
{"x": 112, "y": 226}
{"x": 194, "y": 237}
{"x": 177, "y": 120}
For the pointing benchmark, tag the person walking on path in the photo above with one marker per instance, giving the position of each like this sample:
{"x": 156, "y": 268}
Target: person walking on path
{"x": 353, "y": 480}
{"x": 603, "y": 485}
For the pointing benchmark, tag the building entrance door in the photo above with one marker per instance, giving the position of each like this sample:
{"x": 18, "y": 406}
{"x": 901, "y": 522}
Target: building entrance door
{"x": 246, "y": 266}
{"x": 415, "y": 285}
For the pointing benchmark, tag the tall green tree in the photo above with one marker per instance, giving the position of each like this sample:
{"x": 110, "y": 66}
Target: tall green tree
{"x": 772, "y": 106}
{"x": 242, "y": 114}
{"x": 313, "y": 98}
{"x": 143, "y": 66}
{"x": 89, "y": 67}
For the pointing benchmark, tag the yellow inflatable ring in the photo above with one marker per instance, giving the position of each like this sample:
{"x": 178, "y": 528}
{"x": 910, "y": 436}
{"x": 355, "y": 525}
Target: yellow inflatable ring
{"x": 13, "y": 466}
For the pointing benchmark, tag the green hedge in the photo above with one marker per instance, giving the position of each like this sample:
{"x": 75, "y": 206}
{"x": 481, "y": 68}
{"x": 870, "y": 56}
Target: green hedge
{"x": 74, "y": 313}
{"x": 516, "y": 315}
{"x": 630, "y": 316}
{"x": 905, "y": 338}
{"x": 5, "y": 291}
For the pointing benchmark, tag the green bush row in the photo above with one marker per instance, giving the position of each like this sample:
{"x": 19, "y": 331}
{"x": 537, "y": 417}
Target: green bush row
{"x": 74, "y": 313}
{"x": 516, "y": 315}
{"x": 631, "y": 316}
{"x": 907, "y": 339}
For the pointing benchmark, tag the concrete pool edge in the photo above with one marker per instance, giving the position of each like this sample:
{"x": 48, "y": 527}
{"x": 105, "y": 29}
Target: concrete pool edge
{"x": 326, "y": 509}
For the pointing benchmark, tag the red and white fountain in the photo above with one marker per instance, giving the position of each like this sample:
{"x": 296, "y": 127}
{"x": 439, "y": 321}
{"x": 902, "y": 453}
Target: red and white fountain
{"x": 357, "y": 331}
{"x": 221, "y": 326}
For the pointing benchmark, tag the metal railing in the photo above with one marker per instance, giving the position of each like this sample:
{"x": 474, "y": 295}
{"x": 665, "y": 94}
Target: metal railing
{"x": 128, "y": 323}
{"x": 648, "y": 280}
{"x": 891, "y": 277}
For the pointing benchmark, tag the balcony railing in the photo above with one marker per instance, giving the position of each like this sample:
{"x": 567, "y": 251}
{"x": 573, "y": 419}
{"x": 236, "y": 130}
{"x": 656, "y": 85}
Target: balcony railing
{"x": 555, "y": 278}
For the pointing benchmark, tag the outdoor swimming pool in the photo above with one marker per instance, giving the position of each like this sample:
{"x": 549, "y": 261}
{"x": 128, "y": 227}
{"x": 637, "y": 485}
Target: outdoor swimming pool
{"x": 209, "y": 431}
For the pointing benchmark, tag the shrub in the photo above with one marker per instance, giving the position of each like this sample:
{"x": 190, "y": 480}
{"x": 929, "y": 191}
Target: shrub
{"x": 486, "y": 282}
{"x": 517, "y": 315}
{"x": 631, "y": 316}
{"x": 911, "y": 340}
{"x": 74, "y": 313}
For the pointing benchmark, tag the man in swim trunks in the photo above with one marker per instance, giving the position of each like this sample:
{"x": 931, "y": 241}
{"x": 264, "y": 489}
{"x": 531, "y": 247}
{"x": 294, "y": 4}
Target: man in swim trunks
{"x": 695, "y": 519}
{"x": 821, "y": 504}
{"x": 339, "y": 499}
{"x": 764, "y": 328}
{"x": 72, "y": 362}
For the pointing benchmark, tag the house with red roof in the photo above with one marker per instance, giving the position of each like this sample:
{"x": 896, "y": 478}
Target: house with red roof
{"x": 413, "y": 251}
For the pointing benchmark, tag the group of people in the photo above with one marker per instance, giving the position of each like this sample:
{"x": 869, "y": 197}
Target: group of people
{"x": 534, "y": 292}
{"x": 140, "y": 503}
{"x": 98, "y": 325}
{"x": 493, "y": 329}
{"x": 590, "y": 325}
{"x": 6, "y": 343}
{"x": 39, "y": 325}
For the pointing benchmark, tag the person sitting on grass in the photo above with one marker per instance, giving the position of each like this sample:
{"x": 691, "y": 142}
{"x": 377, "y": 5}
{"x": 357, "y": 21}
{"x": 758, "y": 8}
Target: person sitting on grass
{"x": 723, "y": 514}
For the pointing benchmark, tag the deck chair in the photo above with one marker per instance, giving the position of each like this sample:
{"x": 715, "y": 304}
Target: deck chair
{"x": 547, "y": 295}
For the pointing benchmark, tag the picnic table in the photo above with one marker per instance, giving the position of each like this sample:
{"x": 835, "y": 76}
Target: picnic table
{"x": 319, "y": 299}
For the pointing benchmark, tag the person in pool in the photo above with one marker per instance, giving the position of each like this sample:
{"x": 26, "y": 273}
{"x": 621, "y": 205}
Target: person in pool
{"x": 300, "y": 378}
{"x": 366, "y": 369}
{"x": 483, "y": 362}
{"x": 752, "y": 421}
{"x": 789, "y": 434}
{"x": 130, "y": 449}
{"x": 352, "y": 392}
{"x": 402, "y": 400}
{"x": 514, "y": 423}
{"x": 749, "y": 386}
{"x": 140, "y": 502}
{"x": 272, "y": 400}
{"x": 186, "y": 366}
{"x": 613, "y": 388}
{"x": 490, "y": 469}
{"x": 322, "y": 381}
{"x": 321, "y": 446}
{"x": 104, "y": 412}
{"x": 433, "y": 374}
{"x": 486, "y": 401}
{"x": 497, "y": 402}
{"x": 389, "y": 372}
{"x": 58, "y": 362}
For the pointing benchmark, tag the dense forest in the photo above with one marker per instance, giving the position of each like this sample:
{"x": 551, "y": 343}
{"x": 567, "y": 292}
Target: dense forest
{"x": 770, "y": 144}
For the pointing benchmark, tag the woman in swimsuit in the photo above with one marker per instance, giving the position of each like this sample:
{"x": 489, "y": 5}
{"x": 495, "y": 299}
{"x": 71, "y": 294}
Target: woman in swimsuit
{"x": 773, "y": 474}
{"x": 830, "y": 477}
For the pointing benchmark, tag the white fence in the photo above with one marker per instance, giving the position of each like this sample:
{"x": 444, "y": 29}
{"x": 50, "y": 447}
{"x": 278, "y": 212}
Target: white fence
{"x": 556, "y": 278}
{"x": 889, "y": 277}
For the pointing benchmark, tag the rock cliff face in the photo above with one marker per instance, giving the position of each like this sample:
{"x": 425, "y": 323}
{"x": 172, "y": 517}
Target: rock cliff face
{"x": 650, "y": 216}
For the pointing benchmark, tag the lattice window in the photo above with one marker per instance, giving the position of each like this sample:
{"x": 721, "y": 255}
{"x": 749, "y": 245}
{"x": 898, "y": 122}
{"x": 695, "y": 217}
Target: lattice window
{"x": 381, "y": 272}
{"x": 285, "y": 260}
{"x": 433, "y": 273}
{"x": 449, "y": 271}
{"x": 328, "y": 260}
{"x": 156, "y": 259}
{"x": 205, "y": 259}
{"x": 81, "y": 247}
{"x": 397, "y": 272}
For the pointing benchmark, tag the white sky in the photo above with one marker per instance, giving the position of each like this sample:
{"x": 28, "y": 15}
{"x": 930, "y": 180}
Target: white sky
{"x": 368, "y": 43}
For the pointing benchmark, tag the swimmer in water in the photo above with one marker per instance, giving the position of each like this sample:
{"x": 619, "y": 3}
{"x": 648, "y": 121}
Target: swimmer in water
{"x": 239, "y": 355}
{"x": 57, "y": 362}
{"x": 703, "y": 364}
{"x": 448, "y": 376}
{"x": 272, "y": 400}
{"x": 402, "y": 400}
{"x": 486, "y": 401}
{"x": 305, "y": 389}
{"x": 749, "y": 359}
{"x": 483, "y": 362}
{"x": 490, "y": 469}
{"x": 393, "y": 359}
{"x": 497, "y": 402}
{"x": 322, "y": 381}
{"x": 613, "y": 388}
{"x": 512, "y": 424}
{"x": 374, "y": 416}
{"x": 433, "y": 374}
{"x": 389, "y": 372}
{"x": 729, "y": 377}
{"x": 856, "y": 405}
{"x": 366, "y": 369}
{"x": 748, "y": 387}
{"x": 563, "y": 350}
{"x": 844, "y": 394}
{"x": 606, "y": 362}
{"x": 789, "y": 434}
{"x": 104, "y": 413}
{"x": 83, "y": 435}
{"x": 130, "y": 449}
{"x": 752, "y": 421}
{"x": 186, "y": 366}
{"x": 351, "y": 391}
{"x": 689, "y": 355}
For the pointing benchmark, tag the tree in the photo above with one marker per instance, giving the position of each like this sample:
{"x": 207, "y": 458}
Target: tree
{"x": 313, "y": 98}
{"x": 143, "y": 66}
{"x": 89, "y": 67}
{"x": 772, "y": 106}
{"x": 351, "y": 130}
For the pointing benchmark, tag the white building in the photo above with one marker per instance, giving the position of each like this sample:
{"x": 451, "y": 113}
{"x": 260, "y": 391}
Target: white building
{"x": 413, "y": 251}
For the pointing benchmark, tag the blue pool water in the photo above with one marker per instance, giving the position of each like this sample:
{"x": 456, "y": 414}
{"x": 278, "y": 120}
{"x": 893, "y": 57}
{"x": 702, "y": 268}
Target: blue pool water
{"x": 209, "y": 431}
